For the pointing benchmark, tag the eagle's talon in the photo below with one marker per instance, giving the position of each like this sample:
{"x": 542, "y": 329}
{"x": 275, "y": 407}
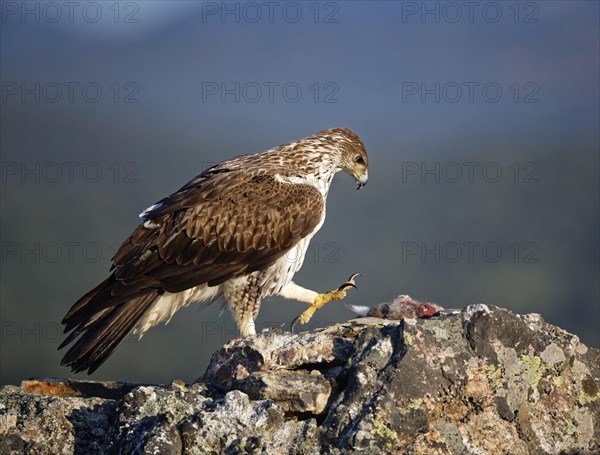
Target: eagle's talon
{"x": 322, "y": 299}
{"x": 293, "y": 324}
{"x": 346, "y": 286}
{"x": 350, "y": 282}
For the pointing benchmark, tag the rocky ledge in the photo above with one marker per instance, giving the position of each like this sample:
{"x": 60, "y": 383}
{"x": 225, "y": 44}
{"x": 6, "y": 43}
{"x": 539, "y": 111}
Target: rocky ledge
{"x": 482, "y": 381}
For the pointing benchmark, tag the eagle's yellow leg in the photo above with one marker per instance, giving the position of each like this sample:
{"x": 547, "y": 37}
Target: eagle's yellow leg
{"x": 322, "y": 299}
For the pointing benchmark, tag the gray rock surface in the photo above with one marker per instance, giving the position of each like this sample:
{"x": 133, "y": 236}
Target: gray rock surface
{"x": 482, "y": 381}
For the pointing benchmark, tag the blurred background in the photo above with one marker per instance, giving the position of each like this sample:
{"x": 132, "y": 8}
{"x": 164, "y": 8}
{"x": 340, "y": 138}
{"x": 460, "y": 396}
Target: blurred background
{"x": 481, "y": 121}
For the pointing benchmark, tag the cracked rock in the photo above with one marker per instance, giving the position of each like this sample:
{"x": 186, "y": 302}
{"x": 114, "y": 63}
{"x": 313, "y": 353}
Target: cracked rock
{"x": 482, "y": 381}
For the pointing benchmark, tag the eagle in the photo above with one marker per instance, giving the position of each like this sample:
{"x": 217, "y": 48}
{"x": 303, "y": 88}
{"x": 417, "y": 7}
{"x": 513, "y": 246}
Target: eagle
{"x": 238, "y": 231}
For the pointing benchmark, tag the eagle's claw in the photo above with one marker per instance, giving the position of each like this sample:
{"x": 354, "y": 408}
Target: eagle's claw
{"x": 350, "y": 283}
{"x": 323, "y": 299}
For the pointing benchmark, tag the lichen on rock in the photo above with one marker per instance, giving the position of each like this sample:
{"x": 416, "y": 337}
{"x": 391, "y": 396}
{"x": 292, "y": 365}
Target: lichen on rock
{"x": 482, "y": 381}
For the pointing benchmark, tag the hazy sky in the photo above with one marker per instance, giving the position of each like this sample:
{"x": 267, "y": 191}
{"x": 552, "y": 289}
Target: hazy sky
{"x": 480, "y": 119}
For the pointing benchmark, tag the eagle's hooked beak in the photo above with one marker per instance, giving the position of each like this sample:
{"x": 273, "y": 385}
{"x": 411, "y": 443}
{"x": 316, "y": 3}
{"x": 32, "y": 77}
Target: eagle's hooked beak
{"x": 362, "y": 180}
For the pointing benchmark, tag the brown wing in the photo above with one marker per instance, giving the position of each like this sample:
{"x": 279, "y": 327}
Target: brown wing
{"x": 228, "y": 225}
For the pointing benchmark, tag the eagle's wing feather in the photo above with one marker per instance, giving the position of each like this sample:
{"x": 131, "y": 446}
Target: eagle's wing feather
{"x": 225, "y": 225}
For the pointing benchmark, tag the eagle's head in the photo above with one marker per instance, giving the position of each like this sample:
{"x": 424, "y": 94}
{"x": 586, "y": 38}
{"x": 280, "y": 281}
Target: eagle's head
{"x": 353, "y": 157}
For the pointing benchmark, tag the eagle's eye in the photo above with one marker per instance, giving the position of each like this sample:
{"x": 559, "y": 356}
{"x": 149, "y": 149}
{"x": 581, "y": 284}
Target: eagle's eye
{"x": 359, "y": 160}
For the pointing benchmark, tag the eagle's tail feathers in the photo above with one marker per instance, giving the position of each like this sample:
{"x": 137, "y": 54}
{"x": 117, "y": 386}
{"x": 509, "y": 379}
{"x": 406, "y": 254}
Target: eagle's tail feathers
{"x": 104, "y": 332}
{"x": 103, "y": 288}
{"x": 98, "y": 302}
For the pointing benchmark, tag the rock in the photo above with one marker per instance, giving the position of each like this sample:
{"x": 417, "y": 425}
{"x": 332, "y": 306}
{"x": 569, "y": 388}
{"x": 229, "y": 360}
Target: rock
{"x": 482, "y": 381}
{"x": 67, "y": 388}
{"x": 294, "y": 391}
